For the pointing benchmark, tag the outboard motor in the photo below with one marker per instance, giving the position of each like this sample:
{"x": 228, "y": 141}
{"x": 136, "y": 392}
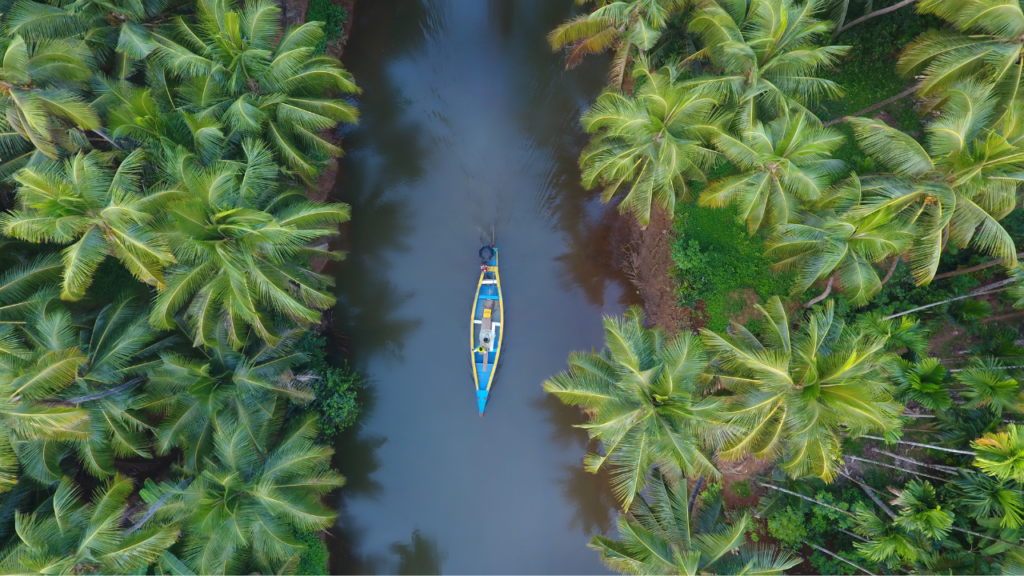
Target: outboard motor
{"x": 486, "y": 254}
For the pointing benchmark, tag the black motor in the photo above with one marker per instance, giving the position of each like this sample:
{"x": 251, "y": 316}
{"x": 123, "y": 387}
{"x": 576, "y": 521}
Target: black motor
{"x": 486, "y": 253}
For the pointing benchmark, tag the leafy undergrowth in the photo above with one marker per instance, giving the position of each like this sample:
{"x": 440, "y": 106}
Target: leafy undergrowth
{"x": 333, "y": 17}
{"x": 718, "y": 262}
{"x": 335, "y": 387}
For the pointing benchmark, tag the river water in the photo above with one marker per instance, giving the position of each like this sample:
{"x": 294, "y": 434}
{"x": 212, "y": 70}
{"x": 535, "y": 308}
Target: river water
{"x": 469, "y": 128}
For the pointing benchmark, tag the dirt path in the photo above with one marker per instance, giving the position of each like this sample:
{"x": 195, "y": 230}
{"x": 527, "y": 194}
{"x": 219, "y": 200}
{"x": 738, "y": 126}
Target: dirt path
{"x": 646, "y": 257}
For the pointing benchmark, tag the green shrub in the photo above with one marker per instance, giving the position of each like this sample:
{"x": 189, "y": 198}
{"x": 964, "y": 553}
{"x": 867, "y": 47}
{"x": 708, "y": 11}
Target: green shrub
{"x": 742, "y": 488}
{"x": 312, "y": 560}
{"x": 333, "y": 17}
{"x": 788, "y": 527}
{"x": 715, "y": 258}
{"x": 335, "y": 387}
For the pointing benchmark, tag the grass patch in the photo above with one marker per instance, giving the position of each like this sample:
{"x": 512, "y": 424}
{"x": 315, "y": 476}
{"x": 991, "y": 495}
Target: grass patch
{"x": 716, "y": 260}
{"x": 333, "y": 17}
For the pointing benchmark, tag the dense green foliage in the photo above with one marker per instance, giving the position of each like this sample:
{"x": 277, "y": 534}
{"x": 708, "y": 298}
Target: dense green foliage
{"x": 156, "y": 275}
{"x": 333, "y": 17}
{"x": 886, "y": 453}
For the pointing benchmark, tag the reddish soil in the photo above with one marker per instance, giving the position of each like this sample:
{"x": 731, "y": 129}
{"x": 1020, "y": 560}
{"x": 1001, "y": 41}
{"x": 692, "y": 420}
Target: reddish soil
{"x": 646, "y": 258}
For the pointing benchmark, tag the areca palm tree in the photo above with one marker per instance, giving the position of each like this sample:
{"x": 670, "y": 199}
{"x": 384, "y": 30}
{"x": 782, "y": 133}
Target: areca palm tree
{"x": 652, "y": 143}
{"x": 645, "y": 404}
{"x": 98, "y": 210}
{"x": 236, "y": 68}
{"x": 765, "y": 54}
{"x": 957, "y": 187}
{"x": 67, "y": 535}
{"x": 194, "y": 395}
{"x": 662, "y": 534}
{"x": 985, "y": 42}
{"x": 796, "y": 396}
{"x": 987, "y": 498}
{"x": 241, "y": 513}
{"x": 41, "y": 85}
{"x": 781, "y": 164}
{"x": 1001, "y": 454}
{"x": 615, "y": 25}
{"x": 888, "y": 542}
{"x": 243, "y": 250}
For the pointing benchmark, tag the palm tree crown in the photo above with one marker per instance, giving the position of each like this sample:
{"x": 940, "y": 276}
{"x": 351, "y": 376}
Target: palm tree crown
{"x": 985, "y": 42}
{"x": 781, "y": 164}
{"x": 651, "y": 143}
{"x": 765, "y": 54}
{"x": 645, "y": 403}
{"x": 956, "y": 187}
{"x": 99, "y": 210}
{"x": 243, "y": 250}
{"x": 797, "y": 396}
{"x": 663, "y": 535}
{"x": 236, "y": 68}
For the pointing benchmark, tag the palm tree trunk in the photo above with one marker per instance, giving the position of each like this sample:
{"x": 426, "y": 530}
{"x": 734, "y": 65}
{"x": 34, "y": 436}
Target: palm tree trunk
{"x": 852, "y": 535}
{"x": 871, "y": 494}
{"x": 156, "y": 506}
{"x": 950, "y": 450}
{"x": 808, "y": 498}
{"x": 823, "y": 295}
{"x": 938, "y": 467}
{"x": 884, "y": 465}
{"x": 895, "y": 261}
{"x": 874, "y": 107}
{"x": 693, "y": 495}
{"x": 871, "y": 15}
{"x": 972, "y": 268}
{"x": 105, "y": 393}
{"x": 990, "y": 289}
{"x": 838, "y": 557}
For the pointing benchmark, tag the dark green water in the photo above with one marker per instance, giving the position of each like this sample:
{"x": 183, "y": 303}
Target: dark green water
{"x": 469, "y": 125}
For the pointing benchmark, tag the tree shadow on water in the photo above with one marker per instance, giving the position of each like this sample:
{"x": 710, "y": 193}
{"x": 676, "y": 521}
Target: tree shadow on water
{"x": 420, "y": 556}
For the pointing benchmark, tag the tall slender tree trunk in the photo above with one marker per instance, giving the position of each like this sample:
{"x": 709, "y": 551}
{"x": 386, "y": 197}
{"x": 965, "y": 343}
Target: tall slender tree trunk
{"x": 990, "y": 289}
{"x": 884, "y": 465}
{"x": 838, "y": 557}
{"x": 871, "y": 494}
{"x": 988, "y": 264}
{"x": 693, "y": 495}
{"x": 888, "y": 275}
{"x": 874, "y": 107}
{"x": 919, "y": 445}
{"x": 871, "y": 15}
{"x": 823, "y": 295}
{"x": 938, "y": 467}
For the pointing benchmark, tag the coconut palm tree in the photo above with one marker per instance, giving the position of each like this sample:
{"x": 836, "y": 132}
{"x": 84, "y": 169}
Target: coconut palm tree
{"x": 99, "y": 210}
{"x": 662, "y": 534}
{"x": 77, "y": 390}
{"x": 645, "y": 403}
{"x": 235, "y": 67}
{"x": 986, "y": 40}
{"x": 780, "y": 165}
{"x": 765, "y": 54}
{"x": 243, "y": 249}
{"x": 41, "y": 85}
{"x": 24, "y": 285}
{"x": 241, "y": 513}
{"x": 651, "y": 144}
{"x": 795, "y": 397}
{"x": 67, "y": 535}
{"x": 193, "y": 394}
{"x": 115, "y": 29}
{"x": 615, "y": 25}
{"x": 957, "y": 187}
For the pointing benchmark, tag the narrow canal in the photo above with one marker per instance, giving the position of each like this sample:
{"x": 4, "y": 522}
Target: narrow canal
{"x": 469, "y": 128}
